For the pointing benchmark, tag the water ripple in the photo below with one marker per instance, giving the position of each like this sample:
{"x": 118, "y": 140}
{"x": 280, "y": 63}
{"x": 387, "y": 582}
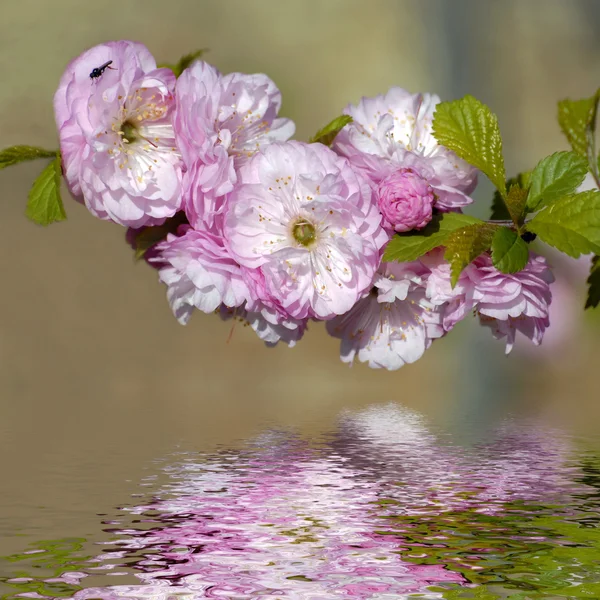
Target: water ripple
{"x": 382, "y": 508}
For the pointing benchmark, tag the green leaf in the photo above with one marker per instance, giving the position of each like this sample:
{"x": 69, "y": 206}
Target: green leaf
{"x": 554, "y": 176}
{"x": 184, "y": 62}
{"x": 509, "y": 252}
{"x": 150, "y": 236}
{"x": 515, "y": 202}
{"x": 16, "y": 154}
{"x": 45, "y": 205}
{"x": 465, "y": 244}
{"x": 327, "y": 134}
{"x": 571, "y": 224}
{"x": 593, "y": 298}
{"x": 406, "y": 247}
{"x": 577, "y": 119}
{"x": 470, "y": 129}
{"x": 499, "y": 208}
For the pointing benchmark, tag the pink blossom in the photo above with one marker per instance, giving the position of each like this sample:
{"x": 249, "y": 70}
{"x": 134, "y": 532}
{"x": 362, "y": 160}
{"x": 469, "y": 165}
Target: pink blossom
{"x": 394, "y": 131}
{"x": 266, "y": 315}
{"x": 305, "y": 219}
{"x": 220, "y": 122}
{"x": 116, "y": 137}
{"x": 505, "y": 303}
{"x": 131, "y": 236}
{"x": 394, "y": 324}
{"x": 568, "y": 296}
{"x": 199, "y": 273}
{"x": 405, "y": 200}
{"x": 269, "y": 326}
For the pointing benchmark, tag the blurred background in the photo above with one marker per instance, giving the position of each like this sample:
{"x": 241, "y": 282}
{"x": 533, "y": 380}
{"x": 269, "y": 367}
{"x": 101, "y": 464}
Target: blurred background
{"x": 97, "y": 378}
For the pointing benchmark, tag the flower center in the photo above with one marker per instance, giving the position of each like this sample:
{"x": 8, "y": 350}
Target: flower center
{"x": 304, "y": 232}
{"x": 130, "y": 132}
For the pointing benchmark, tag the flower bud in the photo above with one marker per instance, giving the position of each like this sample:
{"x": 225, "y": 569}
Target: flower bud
{"x": 406, "y": 200}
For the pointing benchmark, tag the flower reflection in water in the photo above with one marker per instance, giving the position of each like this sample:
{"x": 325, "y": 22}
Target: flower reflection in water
{"x": 382, "y": 509}
{"x": 427, "y": 473}
{"x": 281, "y": 519}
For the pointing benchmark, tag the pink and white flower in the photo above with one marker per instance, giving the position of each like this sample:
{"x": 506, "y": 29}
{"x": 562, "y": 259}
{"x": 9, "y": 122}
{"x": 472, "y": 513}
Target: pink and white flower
{"x": 394, "y": 324}
{"x": 199, "y": 273}
{"x": 116, "y": 137}
{"x": 303, "y": 217}
{"x": 394, "y": 131}
{"x": 264, "y": 314}
{"x": 269, "y": 326}
{"x": 505, "y": 303}
{"x": 220, "y": 122}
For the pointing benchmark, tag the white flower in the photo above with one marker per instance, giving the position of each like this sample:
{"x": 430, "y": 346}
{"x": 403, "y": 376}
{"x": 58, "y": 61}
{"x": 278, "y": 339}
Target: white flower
{"x": 394, "y": 132}
{"x": 394, "y": 324}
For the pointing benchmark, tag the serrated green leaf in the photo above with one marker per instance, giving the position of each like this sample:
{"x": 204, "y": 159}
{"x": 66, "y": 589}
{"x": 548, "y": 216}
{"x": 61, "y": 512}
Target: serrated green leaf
{"x": 150, "y": 236}
{"x": 593, "y": 297}
{"x": 577, "y": 119}
{"x": 184, "y": 62}
{"x": 571, "y": 224}
{"x": 499, "y": 208}
{"x": 464, "y": 245}
{"x": 515, "y": 202}
{"x": 470, "y": 129}
{"x": 509, "y": 252}
{"x": 555, "y": 176}
{"x": 45, "y": 205}
{"x": 406, "y": 247}
{"x": 16, "y": 154}
{"x": 327, "y": 134}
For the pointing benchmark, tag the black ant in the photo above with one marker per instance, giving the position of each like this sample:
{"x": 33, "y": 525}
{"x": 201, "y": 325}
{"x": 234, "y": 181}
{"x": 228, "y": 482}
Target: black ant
{"x": 98, "y": 71}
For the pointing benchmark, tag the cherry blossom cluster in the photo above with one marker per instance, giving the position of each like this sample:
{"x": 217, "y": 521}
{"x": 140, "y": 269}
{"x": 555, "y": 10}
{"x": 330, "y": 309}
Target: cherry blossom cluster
{"x": 277, "y": 232}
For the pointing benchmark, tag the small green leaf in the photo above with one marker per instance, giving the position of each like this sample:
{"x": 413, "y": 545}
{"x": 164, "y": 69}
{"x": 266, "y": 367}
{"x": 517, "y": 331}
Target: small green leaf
{"x": 556, "y": 175}
{"x": 515, "y": 202}
{"x": 499, "y": 208}
{"x": 509, "y": 252}
{"x": 406, "y": 247}
{"x": 45, "y": 205}
{"x": 16, "y": 154}
{"x": 464, "y": 245}
{"x": 184, "y": 62}
{"x": 150, "y": 236}
{"x": 577, "y": 120}
{"x": 327, "y": 134}
{"x": 470, "y": 129}
{"x": 571, "y": 224}
{"x": 593, "y": 298}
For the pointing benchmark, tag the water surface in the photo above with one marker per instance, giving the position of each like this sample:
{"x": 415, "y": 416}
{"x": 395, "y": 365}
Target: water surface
{"x": 382, "y": 505}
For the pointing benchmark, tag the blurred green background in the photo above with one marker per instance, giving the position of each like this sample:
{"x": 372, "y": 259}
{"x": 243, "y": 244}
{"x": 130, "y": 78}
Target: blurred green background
{"x": 96, "y": 375}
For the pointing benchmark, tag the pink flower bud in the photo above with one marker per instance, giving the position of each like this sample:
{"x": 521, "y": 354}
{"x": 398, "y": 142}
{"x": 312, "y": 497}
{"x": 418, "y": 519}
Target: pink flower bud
{"x": 405, "y": 199}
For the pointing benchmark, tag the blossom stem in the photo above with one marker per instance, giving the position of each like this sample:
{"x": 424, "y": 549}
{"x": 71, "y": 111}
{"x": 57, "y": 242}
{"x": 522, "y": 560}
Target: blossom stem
{"x": 501, "y": 221}
{"x": 506, "y": 222}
